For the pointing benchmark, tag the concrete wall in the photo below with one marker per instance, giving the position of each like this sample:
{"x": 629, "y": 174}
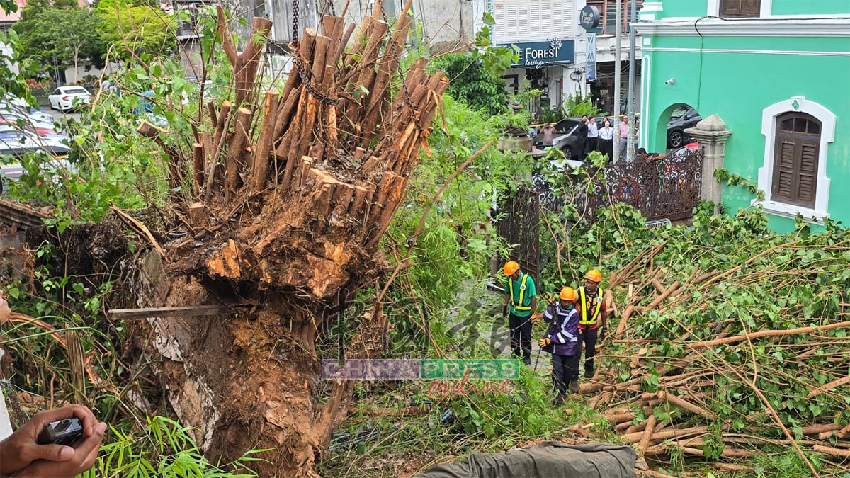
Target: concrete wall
{"x": 442, "y": 25}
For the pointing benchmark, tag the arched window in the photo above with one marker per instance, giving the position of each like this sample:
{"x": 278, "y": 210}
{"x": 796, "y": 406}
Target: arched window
{"x": 797, "y": 133}
{"x": 795, "y": 166}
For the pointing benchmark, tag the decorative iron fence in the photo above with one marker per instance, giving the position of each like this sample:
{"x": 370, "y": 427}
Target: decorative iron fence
{"x": 663, "y": 190}
{"x": 519, "y": 224}
{"x": 667, "y": 188}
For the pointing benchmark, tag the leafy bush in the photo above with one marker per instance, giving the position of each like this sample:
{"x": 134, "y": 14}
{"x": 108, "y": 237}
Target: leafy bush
{"x": 472, "y": 83}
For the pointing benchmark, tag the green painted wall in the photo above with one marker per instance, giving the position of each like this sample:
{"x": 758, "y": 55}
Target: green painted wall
{"x": 684, "y": 8}
{"x": 739, "y": 86}
{"x": 813, "y": 7}
{"x": 699, "y": 8}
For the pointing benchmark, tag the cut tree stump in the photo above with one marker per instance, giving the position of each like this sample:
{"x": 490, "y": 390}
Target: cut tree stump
{"x": 292, "y": 192}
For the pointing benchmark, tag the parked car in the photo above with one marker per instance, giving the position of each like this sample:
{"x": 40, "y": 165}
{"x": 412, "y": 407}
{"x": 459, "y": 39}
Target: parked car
{"x": 35, "y": 124}
{"x": 9, "y": 172}
{"x": 67, "y": 97}
{"x": 680, "y": 119}
{"x": 16, "y": 142}
{"x": 566, "y": 138}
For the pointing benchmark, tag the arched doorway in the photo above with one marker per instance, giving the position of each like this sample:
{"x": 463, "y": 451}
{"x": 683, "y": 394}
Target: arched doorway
{"x": 670, "y": 129}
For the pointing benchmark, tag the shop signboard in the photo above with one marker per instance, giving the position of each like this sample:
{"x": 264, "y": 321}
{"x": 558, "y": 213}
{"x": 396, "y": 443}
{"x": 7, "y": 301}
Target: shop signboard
{"x": 590, "y": 69}
{"x": 543, "y": 53}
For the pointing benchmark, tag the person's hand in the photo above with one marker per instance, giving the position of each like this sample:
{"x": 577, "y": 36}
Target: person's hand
{"x": 535, "y": 317}
{"x": 5, "y": 311}
{"x": 544, "y": 342}
{"x": 22, "y": 456}
{"x": 505, "y": 311}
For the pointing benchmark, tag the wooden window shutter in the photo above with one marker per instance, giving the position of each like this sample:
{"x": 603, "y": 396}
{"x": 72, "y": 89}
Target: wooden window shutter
{"x": 796, "y": 159}
{"x": 740, "y": 8}
{"x": 783, "y": 178}
{"x": 808, "y": 173}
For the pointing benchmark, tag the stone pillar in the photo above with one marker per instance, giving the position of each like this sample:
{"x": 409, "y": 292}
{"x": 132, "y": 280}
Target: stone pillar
{"x": 711, "y": 134}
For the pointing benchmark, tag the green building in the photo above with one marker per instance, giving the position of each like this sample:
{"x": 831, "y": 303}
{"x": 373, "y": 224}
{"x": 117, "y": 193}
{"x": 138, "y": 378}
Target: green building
{"x": 777, "y": 72}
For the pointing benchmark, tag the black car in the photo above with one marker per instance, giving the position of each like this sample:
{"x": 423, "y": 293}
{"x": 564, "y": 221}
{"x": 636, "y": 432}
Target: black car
{"x": 565, "y": 136}
{"x": 681, "y": 119}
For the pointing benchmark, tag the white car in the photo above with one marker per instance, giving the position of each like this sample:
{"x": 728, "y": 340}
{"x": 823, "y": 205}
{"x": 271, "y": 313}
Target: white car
{"x": 67, "y": 97}
{"x": 15, "y": 142}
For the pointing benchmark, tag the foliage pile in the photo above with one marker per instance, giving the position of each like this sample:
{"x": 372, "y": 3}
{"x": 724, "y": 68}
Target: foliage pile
{"x": 730, "y": 342}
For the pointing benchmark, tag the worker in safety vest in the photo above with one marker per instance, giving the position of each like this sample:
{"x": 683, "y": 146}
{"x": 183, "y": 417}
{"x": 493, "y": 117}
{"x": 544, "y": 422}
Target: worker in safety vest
{"x": 520, "y": 304}
{"x": 562, "y": 342}
{"x": 594, "y": 318}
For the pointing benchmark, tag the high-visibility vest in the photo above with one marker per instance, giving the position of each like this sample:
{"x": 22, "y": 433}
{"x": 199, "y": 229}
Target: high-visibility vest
{"x": 521, "y": 293}
{"x": 583, "y": 298}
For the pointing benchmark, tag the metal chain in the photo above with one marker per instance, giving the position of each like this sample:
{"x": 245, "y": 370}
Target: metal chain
{"x": 303, "y": 72}
{"x": 295, "y": 8}
{"x": 306, "y": 76}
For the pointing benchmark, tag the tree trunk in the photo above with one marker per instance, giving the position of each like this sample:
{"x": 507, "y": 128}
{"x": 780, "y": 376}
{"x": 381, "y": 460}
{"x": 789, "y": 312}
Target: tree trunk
{"x": 288, "y": 234}
{"x": 76, "y": 63}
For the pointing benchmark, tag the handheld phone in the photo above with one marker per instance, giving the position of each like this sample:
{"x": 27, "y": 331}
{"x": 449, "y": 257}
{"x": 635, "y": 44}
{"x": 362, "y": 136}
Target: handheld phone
{"x": 61, "y": 432}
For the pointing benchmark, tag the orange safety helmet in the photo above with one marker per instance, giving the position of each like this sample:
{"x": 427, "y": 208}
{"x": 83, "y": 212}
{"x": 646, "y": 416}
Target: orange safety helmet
{"x": 511, "y": 267}
{"x": 594, "y": 275}
{"x": 568, "y": 293}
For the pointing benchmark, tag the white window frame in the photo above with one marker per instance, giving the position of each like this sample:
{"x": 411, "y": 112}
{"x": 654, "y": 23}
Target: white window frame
{"x": 765, "y": 8}
{"x": 765, "y": 173}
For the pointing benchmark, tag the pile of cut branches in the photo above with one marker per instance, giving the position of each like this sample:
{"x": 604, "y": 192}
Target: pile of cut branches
{"x": 731, "y": 343}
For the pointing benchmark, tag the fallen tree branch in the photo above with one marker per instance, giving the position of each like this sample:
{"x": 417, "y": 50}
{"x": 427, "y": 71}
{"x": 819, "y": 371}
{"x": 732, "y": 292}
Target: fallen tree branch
{"x": 767, "y": 333}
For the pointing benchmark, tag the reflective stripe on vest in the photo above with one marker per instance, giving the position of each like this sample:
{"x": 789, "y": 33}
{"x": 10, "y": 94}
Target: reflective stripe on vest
{"x": 521, "y": 293}
{"x": 583, "y": 298}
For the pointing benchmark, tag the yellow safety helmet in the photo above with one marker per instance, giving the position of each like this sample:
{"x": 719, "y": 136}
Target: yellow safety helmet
{"x": 511, "y": 267}
{"x": 594, "y": 275}
{"x": 568, "y": 293}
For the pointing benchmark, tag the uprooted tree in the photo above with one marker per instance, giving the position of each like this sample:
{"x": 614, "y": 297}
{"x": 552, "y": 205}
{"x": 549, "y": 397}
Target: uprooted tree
{"x": 292, "y": 193}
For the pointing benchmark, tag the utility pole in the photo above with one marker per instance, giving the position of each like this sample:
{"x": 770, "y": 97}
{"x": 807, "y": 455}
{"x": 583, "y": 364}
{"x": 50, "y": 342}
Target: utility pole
{"x": 630, "y": 144}
{"x": 618, "y": 80}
